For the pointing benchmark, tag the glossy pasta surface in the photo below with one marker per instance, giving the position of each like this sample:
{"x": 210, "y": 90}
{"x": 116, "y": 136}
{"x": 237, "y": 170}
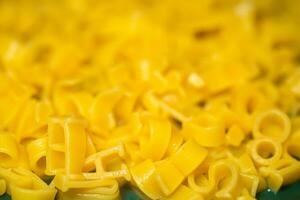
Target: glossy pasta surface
{"x": 195, "y": 100}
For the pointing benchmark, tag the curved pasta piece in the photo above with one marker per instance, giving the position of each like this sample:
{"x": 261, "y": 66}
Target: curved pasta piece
{"x": 287, "y": 168}
{"x": 188, "y": 157}
{"x": 265, "y": 151}
{"x": 250, "y": 175}
{"x": 168, "y": 177}
{"x": 175, "y": 143}
{"x": 32, "y": 119}
{"x": 76, "y": 103}
{"x": 23, "y": 161}
{"x": 251, "y": 99}
{"x": 246, "y": 164}
{"x": 250, "y": 182}
{"x": 125, "y": 106}
{"x": 274, "y": 124}
{"x": 224, "y": 170}
{"x": 36, "y": 151}
{"x": 150, "y": 102}
{"x": 16, "y": 94}
{"x": 2, "y": 187}
{"x": 9, "y": 152}
{"x": 245, "y": 196}
{"x": 155, "y": 137}
{"x": 133, "y": 126}
{"x": 273, "y": 177}
{"x": 292, "y": 147}
{"x": 143, "y": 175}
{"x": 207, "y": 131}
{"x": 291, "y": 173}
{"x": 25, "y": 185}
{"x": 223, "y": 180}
{"x": 101, "y": 115}
{"x": 90, "y": 146}
{"x": 65, "y": 135}
{"x": 184, "y": 192}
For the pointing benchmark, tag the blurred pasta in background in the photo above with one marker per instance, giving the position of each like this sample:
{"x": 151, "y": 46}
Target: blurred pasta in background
{"x": 180, "y": 99}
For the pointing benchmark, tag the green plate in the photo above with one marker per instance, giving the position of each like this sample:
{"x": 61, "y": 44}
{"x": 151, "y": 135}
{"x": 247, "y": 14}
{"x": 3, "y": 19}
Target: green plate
{"x": 291, "y": 192}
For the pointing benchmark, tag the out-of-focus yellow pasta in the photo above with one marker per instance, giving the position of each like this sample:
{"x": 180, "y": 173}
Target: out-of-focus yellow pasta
{"x": 180, "y": 99}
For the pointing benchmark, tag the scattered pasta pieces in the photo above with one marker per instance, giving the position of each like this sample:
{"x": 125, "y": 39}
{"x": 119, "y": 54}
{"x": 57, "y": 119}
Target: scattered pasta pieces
{"x": 180, "y": 99}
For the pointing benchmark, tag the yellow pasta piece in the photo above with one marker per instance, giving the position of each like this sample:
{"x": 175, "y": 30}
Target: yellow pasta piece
{"x": 23, "y": 161}
{"x": 155, "y": 137}
{"x": 272, "y": 123}
{"x": 69, "y": 182}
{"x": 33, "y": 119}
{"x": 9, "y": 152}
{"x": 251, "y": 183}
{"x": 2, "y": 187}
{"x": 76, "y": 103}
{"x": 206, "y": 131}
{"x": 175, "y": 143}
{"x": 98, "y": 162}
{"x": 265, "y": 151}
{"x": 288, "y": 169}
{"x": 226, "y": 170}
{"x": 12, "y": 102}
{"x": 23, "y": 184}
{"x": 36, "y": 151}
{"x": 245, "y": 196}
{"x": 105, "y": 192}
{"x": 63, "y": 154}
{"x": 235, "y": 136}
{"x": 160, "y": 96}
{"x": 168, "y": 177}
{"x": 125, "y": 106}
{"x": 292, "y": 147}
{"x": 101, "y": 113}
{"x": 188, "y": 157}
{"x": 223, "y": 180}
{"x": 144, "y": 176}
{"x": 274, "y": 179}
{"x": 90, "y": 146}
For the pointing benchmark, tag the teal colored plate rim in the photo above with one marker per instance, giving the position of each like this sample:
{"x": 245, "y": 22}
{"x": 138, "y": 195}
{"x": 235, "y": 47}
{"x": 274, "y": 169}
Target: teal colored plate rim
{"x": 290, "y": 192}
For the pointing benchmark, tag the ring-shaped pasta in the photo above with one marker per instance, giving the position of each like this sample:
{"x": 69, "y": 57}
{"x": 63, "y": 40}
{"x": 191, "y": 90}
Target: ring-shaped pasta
{"x": 265, "y": 151}
{"x": 274, "y": 124}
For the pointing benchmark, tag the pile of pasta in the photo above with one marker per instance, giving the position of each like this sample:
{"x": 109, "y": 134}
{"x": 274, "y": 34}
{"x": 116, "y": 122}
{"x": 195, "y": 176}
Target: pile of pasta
{"x": 180, "y": 99}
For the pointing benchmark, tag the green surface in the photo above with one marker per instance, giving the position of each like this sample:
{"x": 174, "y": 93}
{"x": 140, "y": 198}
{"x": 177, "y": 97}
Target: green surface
{"x": 291, "y": 192}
